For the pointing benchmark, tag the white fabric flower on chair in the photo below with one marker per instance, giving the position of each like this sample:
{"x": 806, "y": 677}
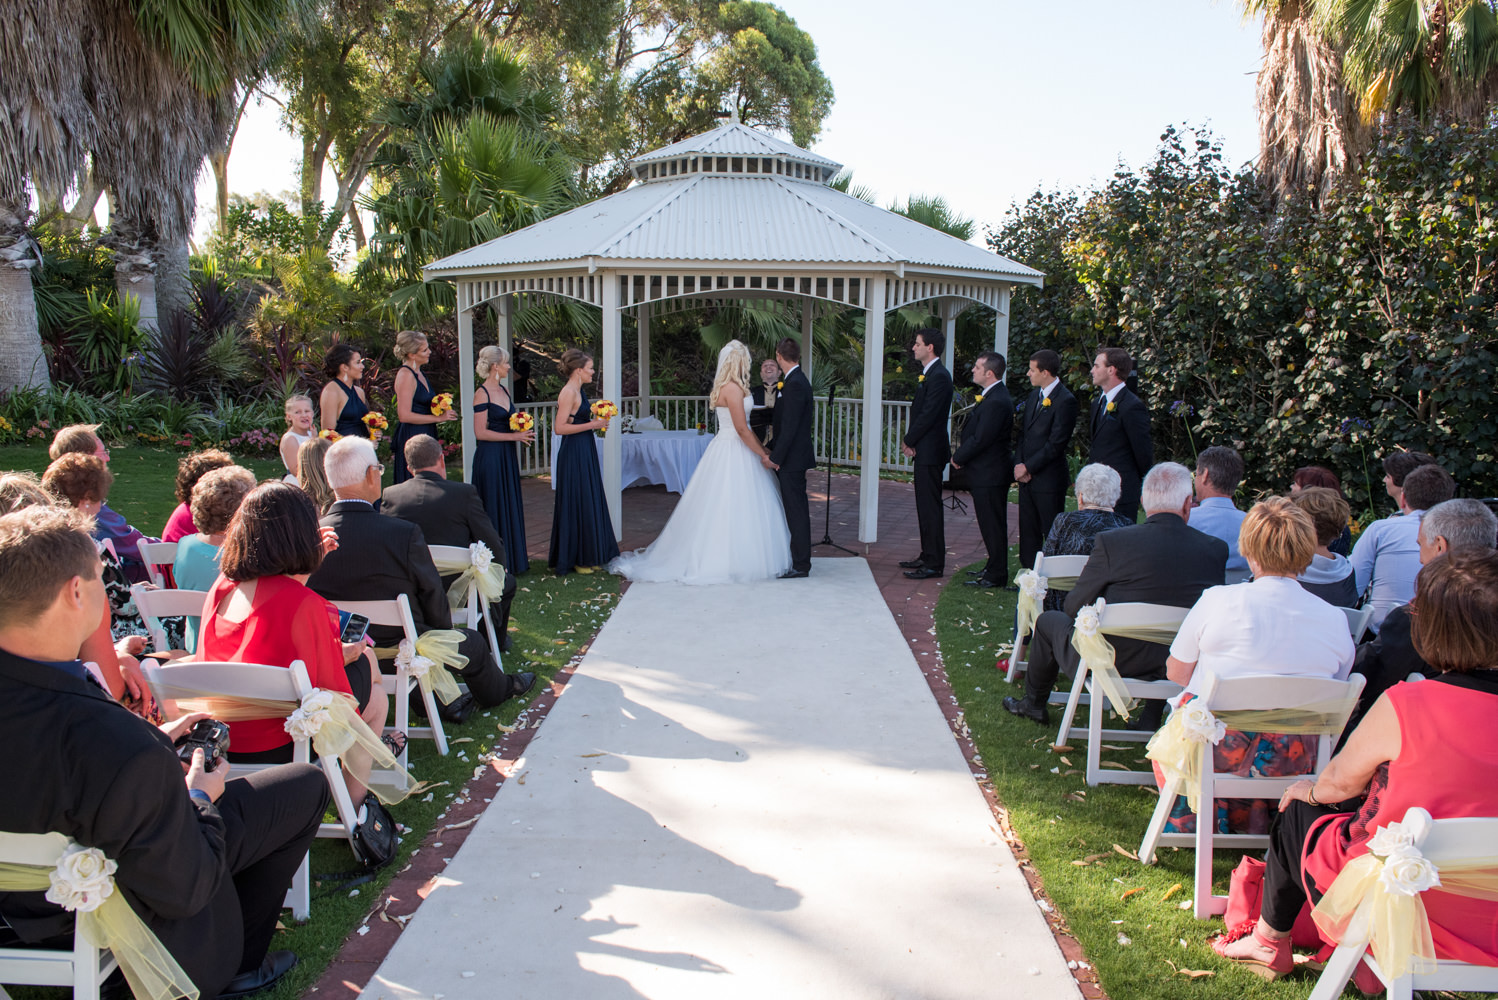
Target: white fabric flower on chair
{"x": 1031, "y": 585}
{"x": 406, "y": 657}
{"x": 480, "y": 556}
{"x": 1389, "y": 839}
{"x": 1090, "y": 618}
{"x": 82, "y": 880}
{"x": 1200, "y": 725}
{"x": 1407, "y": 872}
{"x": 307, "y": 721}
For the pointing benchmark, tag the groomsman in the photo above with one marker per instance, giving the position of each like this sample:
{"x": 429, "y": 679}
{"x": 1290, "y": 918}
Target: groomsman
{"x": 929, "y": 444}
{"x": 985, "y": 454}
{"x": 1046, "y": 425}
{"x": 1120, "y": 427}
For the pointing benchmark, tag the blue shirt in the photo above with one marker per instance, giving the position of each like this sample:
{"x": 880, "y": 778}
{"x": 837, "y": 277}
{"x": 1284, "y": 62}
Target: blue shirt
{"x": 1216, "y": 516}
{"x": 1387, "y": 556}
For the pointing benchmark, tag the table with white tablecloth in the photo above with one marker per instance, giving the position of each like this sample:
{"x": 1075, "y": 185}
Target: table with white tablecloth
{"x": 664, "y": 458}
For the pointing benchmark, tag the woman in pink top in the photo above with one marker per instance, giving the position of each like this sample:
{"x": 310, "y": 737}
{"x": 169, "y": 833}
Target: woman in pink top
{"x": 191, "y": 468}
{"x": 1429, "y": 744}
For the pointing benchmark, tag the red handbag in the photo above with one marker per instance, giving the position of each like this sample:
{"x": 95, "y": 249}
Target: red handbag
{"x": 1246, "y": 902}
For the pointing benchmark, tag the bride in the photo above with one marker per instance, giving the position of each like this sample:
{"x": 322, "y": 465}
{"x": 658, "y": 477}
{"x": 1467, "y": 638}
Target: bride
{"x": 729, "y": 526}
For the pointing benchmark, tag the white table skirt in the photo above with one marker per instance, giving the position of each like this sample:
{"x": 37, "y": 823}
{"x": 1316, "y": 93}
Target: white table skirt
{"x": 665, "y": 458}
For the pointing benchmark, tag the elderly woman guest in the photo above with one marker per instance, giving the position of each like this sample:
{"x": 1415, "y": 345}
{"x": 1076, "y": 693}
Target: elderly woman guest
{"x": 413, "y": 398}
{"x": 214, "y": 501}
{"x": 190, "y": 468}
{"x": 109, "y": 525}
{"x": 1074, "y": 531}
{"x": 1266, "y": 626}
{"x": 582, "y": 533}
{"x": 496, "y": 466}
{"x": 343, "y": 403}
{"x": 1428, "y": 744}
{"x": 1308, "y": 476}
{"x": 1329, "y": 576}
{"x": 311, "y": 476}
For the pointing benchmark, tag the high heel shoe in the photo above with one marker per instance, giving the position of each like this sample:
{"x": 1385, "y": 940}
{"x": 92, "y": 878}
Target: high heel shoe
{"x": 1282, "y": 962}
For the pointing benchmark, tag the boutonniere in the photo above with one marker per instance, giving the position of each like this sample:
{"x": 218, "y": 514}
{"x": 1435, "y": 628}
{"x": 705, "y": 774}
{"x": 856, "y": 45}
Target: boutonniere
{"x": 1111, "y": 406}
{"x": 978, "y": 400}
{"x": 779, "y": 385}
{"x": 1045, "y": 401}
{"x": 921, "y": 379}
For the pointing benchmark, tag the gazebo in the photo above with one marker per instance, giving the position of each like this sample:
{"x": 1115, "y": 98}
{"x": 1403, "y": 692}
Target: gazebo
{"x": 727, "y": 216}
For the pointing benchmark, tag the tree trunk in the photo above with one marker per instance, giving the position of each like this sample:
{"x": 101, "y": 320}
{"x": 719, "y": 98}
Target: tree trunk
{"x": 135, "y": 274}
{"x": 220, "y": 164}
{"x": 357, "y": 225}
{"x": 22, "y": 362}
{"x": 173, "y": 281}
{"x": 82, "y": 212}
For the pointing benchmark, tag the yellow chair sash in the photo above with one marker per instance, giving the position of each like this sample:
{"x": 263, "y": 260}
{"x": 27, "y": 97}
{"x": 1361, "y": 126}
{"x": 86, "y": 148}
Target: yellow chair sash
{"x": 1027, "y": 608}
{"x": 429, "y": 661}
{"x": 1378, "y": 897}
{"x": 1180, "y": 746}
{"x": 1098, "y": 654}
{"x": 479, "y": 568}
{"x": 83, "y": 883}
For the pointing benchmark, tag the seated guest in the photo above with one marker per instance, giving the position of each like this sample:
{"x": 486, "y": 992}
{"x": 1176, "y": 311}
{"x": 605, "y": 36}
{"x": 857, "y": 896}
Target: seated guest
{"x": 260, "y": 611}
{"x": 204, "y": 861}
{"x": 1430, "y": 744}
{"x": 1397, "y": 465}
{"x": 1074, "y": 531}
{"x": 1329, "y": 576}
{"x": 310, "y": 475}
{"x": 190, "y": 468}
{"x": 1387, "y": 555}
{"x": 1161, "y": 561}
{"x": 1219, "y": 470}
{"x": 82, "y": 439}
{"x": 299, "y": 431}
{"x": 1308, "y": 476}
{"x": 1263, "y": 627}
{"x": 215, "y": 498}
{"x": 449, "y": 513}
{"x": 379, "y": 557}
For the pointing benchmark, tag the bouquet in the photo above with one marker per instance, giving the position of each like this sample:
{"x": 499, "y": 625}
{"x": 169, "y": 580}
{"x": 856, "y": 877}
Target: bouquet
{"x": 442, "y": 403}
{"x": 701, "y": 428}
{"x": 376, "y": 423}
{"x": 521, "y": 421}
{"x": 329, "y": 435}
{"x": 605, "y": 411}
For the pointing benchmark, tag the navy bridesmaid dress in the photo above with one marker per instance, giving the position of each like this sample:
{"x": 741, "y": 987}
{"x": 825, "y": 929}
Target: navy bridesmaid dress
{"x": 351, "y": 417}
{"x": 582, "y": 533}
{"x": 496, "y": 475}
{"x": 421, "y": 402}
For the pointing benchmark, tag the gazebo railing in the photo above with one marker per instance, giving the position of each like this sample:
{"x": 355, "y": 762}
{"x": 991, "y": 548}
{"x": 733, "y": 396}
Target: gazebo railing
{"x": 840, "y": 431}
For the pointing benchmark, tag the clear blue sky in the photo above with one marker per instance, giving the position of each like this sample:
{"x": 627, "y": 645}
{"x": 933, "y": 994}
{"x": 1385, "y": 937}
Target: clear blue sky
{"x": 979, "y": 101}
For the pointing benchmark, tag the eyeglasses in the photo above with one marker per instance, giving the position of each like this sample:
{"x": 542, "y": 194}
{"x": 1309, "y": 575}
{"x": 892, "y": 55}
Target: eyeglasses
{"x": 379, "y": 469}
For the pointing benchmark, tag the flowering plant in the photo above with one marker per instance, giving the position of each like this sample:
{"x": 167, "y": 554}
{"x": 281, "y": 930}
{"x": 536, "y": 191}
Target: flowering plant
{"x": 82, "y": 880}
{"x": 308, "y": 719}
{"x": 521, "y": 421}
{"x": 442, "y": 403}
{"x": 329, "y": 435}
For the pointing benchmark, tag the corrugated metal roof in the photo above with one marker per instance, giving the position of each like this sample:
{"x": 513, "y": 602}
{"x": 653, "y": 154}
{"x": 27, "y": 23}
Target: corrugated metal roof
{"x": 734, "y": 139}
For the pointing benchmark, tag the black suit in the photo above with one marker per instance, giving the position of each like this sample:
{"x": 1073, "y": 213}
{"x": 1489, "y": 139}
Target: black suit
{"x": 763, "y": 413}
{"x": 452, "y": 513}
{"x": 1385, "y": 660}
{"x": 1162, "y": 561}
{"x": 1045, "y": 436}
{"x": 985, "y": 456}
{"x": 208, "y": 879}
{"x": 792, "y": 453}
{"x": 929, "y": 438}
{"x": 380, "y": 557}
{"x": 1121, "y": 440}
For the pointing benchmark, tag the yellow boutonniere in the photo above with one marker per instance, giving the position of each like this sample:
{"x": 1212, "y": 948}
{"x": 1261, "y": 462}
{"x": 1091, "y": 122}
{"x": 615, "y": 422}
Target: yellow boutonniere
{"x": 978, "y": 400}
{"x": 921, "y": 379}
{"x": 779, "y": 386}
{"x": 1045, "y": 401}
{"x": 1112, "y": 406}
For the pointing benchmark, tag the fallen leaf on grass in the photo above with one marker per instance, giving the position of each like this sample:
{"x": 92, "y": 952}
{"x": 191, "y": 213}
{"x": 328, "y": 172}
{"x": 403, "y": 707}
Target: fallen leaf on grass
{"x": 1096, "y": 857}
{"x": 600, "y": 754}
{"x": 1115, "y": 765}
{"x": 1076, "y": 797}
{"x": 1060, "y": 747}
{"x": 1110, "y": 746}
{"x": 459, "y": 826}
{"x": 1072, "y": 771}
{"x": 1131, "y": 892}
{"x": 462, "y": 739}
{"x": 1120, "y": 849}
{"x": 505, "y": 729}
{"x": 1171, "y": 892}
{"x": 1189, "y": 973}
{"x": 1081, "y": 864}
{"x": 1066, "y": 762}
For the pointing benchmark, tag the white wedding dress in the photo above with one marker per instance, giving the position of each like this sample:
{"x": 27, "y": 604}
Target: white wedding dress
{"x": 728, "y": 527}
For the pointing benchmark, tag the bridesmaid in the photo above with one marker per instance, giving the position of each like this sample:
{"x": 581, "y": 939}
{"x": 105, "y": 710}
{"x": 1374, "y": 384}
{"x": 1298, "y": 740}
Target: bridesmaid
{"x": 343, "y": 403}
{"x": 413, "y": 398}
{"x": 582, "y": 533}
{"x": 496, "y": 467}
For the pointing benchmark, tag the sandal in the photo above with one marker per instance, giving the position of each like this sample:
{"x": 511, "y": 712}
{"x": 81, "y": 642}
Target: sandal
{"x": 395, "y": 742}
{"x": 1281, "y": 964}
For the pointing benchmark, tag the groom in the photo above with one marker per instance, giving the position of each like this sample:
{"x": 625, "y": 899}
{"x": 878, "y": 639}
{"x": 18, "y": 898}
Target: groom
{"x": 791, "y": 453}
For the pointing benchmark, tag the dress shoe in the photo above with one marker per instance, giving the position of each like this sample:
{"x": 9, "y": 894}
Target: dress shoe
{"x": 1028, "y": 709}
{"x": 912, "y": 564}
{"x": 506, "y": 643}
{"x": 976, "y": 572}
{"x": 1011, "y": 588}
{"x": 458, "y": 710}
{"x": 275, "y": 965}
{"x": 521, "y": 683}
{"x": 794, "y": 574}
{"x": 923, "y": 574}
{"x": 982, "y": 581}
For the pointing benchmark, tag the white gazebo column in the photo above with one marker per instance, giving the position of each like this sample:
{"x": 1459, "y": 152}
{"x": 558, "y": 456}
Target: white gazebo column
{"x": 465, "y": 380}
{"x": 873, "y": 411}
{"x": 1001, "y": 325}
{"x": 504, "y": 306}
{"x": 642, "y": 326}
{"x": 808, "y": 318}
{"x": 613, "y": 444}
{"x": 948, "y": 310}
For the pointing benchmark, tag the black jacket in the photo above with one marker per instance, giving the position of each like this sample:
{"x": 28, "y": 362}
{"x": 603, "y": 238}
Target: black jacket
{"x": 928, "y": 417}
{"x": 792, "y": 449}
{"x": 1121, "y": 439}
{"x": 1045, "y": 435}
{"x": 984, "y": 452}
{"x": 1162, "y": 561}
{"x": 447, "y": 512}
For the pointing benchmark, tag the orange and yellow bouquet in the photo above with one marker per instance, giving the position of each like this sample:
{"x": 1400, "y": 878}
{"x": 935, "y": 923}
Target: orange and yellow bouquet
{"x": 604, "y": 410}
{"x": 442, "y": 403}
{"x": 330, "y": 435}
{"x": 521, "y": 421}
{"x": 376, "y": 423}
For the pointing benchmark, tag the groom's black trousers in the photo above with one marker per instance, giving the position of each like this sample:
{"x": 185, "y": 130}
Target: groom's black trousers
{"x": 797, "y": 516}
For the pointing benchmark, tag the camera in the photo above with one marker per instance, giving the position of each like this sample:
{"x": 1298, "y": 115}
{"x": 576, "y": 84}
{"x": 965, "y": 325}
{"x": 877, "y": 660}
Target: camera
{"x": 209, "y": 735}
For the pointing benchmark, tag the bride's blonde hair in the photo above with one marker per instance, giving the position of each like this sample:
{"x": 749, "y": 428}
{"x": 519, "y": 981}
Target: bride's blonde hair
{"x": 733, "y": 366}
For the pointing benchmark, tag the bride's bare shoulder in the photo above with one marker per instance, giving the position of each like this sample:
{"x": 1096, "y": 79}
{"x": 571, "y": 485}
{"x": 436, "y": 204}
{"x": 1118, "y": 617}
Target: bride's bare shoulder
{"x": 730, "y": 392}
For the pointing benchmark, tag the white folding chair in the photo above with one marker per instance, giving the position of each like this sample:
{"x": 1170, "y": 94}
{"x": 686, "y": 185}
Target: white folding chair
{"x": 1254, "y": 692}
{"x": 156, "y": 555}
{"x": 180, "y": 680}
{"x": 477, "y": 607}
{"x": 1357, "y": 622}
{"x": 1115, "y": 616}
{"x": 83, "y": 967}
{"x": 1443, "y": 842}
{"x": 397, "y": 612}
{"x": 1060, "y": 568}
{"x": 155, "y": 605}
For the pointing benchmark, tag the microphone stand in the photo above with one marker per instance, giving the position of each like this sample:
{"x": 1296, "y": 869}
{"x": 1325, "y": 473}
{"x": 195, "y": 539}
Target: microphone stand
{"x": 827, "y": 522}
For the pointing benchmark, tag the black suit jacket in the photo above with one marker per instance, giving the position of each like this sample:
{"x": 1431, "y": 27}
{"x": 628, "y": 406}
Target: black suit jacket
{"x": 1121, "y": 439}
{"x": 1162, "y": 561}
{"x": 928, "y": 417}
{"x": 90, "y": 769}
{"x": 984, "y": 452}
{"x": 377, "y": 558}
{"x": 792, "y": 450}
{"x": 1045, "y": 435}
{"x": 447, "y": 512}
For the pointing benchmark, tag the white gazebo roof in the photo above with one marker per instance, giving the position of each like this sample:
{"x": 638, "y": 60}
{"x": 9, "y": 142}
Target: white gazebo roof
{"x": 732, "y": 213}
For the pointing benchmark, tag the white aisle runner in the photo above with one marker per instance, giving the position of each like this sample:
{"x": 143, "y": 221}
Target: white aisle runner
{"x": 746, "y": 791}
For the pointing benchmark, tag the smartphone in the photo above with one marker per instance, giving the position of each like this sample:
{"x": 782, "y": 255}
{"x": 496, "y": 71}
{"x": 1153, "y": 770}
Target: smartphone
{"x": 351, "y": 627}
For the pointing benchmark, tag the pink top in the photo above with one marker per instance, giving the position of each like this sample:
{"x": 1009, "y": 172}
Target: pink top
{"x": 179, "y": 525}
{"x": 1448, "y": 765}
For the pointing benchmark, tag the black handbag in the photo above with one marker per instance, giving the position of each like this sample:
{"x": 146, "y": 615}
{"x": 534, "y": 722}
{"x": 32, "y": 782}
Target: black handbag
{"x": 374, "y": 840}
